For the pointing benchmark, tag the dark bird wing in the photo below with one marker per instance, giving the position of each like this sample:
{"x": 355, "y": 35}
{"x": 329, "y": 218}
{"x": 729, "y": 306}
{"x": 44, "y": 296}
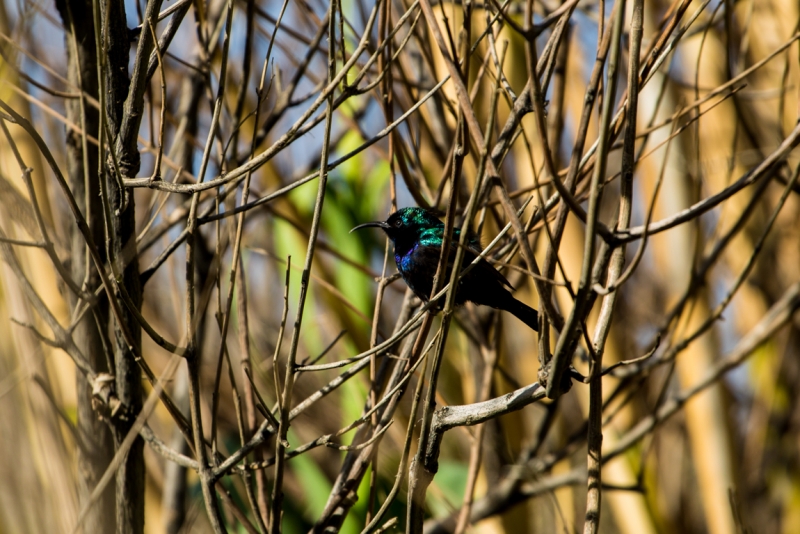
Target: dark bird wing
{"x": 483, "y": 270}
{"x": 424, "y": 259}
{"x": 482, "y": 285}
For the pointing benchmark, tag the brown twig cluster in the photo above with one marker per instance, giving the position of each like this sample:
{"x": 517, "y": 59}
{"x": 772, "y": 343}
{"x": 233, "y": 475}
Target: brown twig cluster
{"x": 192, "y": 339}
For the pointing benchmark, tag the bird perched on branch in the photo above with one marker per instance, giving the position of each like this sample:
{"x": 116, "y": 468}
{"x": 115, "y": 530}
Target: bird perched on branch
{"x": 418, "y": 234}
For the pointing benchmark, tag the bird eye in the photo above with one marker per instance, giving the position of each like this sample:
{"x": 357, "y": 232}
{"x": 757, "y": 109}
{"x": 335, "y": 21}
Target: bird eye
{"x": 397, "y": 223}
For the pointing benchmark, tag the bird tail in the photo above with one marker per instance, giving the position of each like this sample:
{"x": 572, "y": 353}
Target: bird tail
{"x": 523, "y": 312}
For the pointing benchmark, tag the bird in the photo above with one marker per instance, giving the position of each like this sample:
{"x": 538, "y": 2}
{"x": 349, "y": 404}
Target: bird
{"x": 418, "y": 235}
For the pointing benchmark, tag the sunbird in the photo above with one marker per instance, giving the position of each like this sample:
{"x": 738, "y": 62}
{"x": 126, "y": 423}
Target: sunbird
{"x": 417, "y": 235}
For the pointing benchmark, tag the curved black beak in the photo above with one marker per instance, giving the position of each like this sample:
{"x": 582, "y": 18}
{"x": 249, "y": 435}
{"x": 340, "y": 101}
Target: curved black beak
{"x": 376, "y": 224}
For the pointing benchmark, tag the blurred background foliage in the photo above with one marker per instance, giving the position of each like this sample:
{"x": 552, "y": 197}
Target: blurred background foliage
{"x": 727, "y": 460}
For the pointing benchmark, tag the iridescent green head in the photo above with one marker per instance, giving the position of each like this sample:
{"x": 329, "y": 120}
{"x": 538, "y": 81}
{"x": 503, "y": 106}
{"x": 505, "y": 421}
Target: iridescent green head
{"x": 406, "y": 223}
